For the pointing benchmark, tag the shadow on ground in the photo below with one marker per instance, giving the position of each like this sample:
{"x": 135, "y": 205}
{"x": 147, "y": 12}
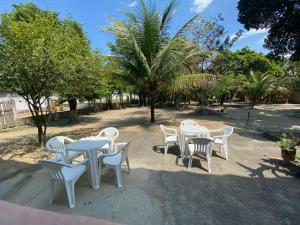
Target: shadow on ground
{"x": 174, "y": 197}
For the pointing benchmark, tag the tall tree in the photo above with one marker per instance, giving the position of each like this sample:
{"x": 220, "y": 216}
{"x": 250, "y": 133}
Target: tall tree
{"x": 281, "y": 17}
{"x": 76, "y": 64}
{"x": 211, "y": 37}
{"x": 242, "y": 61}
{"x": 145, "y": 49}
{"x": 39, "y": 53}
{"x": 31, "y": 46}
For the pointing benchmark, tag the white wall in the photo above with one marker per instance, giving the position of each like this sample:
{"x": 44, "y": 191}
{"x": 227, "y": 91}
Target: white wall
{"x": 21, "y": 104}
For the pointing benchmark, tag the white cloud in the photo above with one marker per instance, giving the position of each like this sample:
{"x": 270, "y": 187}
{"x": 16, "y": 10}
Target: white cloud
{"x": 262, "y": 41}
{"x": 200, "y": 5}
{"x": 132, "y": 4}
{"x": 253, "y": 32}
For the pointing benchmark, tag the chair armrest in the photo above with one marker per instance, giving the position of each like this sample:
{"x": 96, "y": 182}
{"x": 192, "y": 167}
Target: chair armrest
{"x": 217, "y": 130}
{"x": 81, "y": 162}
{"x": 170, "y": 131}
{"x": 108, "y": 155}
{"x": 218, "y": 136}
{"x": 120, "y": 144}
{"x": 69, "y": 139}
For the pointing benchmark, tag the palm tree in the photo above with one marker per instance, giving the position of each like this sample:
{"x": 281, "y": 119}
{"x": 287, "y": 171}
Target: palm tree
{"x": 146, "y": 51}
{"x": 257, "y": 86}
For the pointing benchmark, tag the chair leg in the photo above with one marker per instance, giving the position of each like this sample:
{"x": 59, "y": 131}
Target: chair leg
{"x": 128, "y": 167}
{"x": 166, "y": 149}
{"x": 100, "y": 170}
{"x": 119, "y": 175}
{"x": 71, "y": 193}
{"x": 190, "y": 162}
{"x": 225, "y": 147}
{"x": 208, "y": 163}
{"x": 52, "y": 191}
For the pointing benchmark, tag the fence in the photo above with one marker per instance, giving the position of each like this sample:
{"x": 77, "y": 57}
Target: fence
{"x": 7, "y": 114}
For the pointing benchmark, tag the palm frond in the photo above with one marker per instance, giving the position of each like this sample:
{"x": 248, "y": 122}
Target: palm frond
{"x": 168, "y": 57}
{"x": 121, "y": 30}
{"x": 186, "y": 26}
{"x": 185, "y": 82}
{"x": 166, "y": 17}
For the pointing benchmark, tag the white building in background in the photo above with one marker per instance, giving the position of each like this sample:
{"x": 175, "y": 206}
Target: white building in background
{"x": 20, "y": 103}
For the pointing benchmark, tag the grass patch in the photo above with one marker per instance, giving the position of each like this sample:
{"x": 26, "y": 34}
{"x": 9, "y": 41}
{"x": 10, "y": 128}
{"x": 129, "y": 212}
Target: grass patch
{"x": 297, "y": 158}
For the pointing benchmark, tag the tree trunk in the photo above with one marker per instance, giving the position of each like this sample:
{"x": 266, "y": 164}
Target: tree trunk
{"x": 253, "y": 103}
{"x": 144, "y": 100}
{"x": 72, "y": 104}
{"x": 141, "y": 99}
{"x": 152, "y": 95}
{"x": 41, "y": 133}
{"x": 39, "y": 119}
{"x": 175, "y": 101}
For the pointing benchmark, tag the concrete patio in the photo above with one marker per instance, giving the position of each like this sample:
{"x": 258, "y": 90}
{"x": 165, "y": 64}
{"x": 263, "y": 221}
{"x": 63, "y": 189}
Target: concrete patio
{"x": 252, "y": 187}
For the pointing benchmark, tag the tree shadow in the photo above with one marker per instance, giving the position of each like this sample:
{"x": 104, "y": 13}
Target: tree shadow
{"x": 276, "y": 166}
{"x": 175, "y": 197}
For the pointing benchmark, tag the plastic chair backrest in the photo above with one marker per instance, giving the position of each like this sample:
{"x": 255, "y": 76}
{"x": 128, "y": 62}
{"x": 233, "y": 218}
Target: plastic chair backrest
{"x": 56, "y": 144}
{"x": 188, "y": 123}
{"x": 123, "y": 147}
{"x": 201, "y": 145}
{"x": 163, "y": 128}
{"x": 228, "y": 131}
{"x": 54, "y": 168}
{"x": 110, "y": 132}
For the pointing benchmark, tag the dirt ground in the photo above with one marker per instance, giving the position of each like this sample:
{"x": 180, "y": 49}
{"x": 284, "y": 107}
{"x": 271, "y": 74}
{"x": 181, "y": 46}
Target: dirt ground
{"x": 20, "y": 144}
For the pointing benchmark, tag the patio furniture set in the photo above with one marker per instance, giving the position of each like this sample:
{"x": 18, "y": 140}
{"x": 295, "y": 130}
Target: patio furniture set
{"x": 194, "y": 139}
{"x": 95, "y": 153}
{"x": 74, "y": 157}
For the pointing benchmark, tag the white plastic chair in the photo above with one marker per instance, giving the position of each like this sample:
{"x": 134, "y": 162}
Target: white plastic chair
{"x": 116, "y": 160}
{"x": 188, "y": 123}
{"x": 170, "y": 135}
{"x": 64, "y": 173}
{"x": 222, "y": 140}
{"x": 111, "y": 133}
{"x": 57, "y": 145}
{"x": 199, "y": 146}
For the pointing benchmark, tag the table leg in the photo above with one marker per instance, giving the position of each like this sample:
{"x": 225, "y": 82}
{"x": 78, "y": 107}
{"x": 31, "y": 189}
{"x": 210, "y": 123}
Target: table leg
{"x": 95, "y": 179}
{"x": 182, "y": 149}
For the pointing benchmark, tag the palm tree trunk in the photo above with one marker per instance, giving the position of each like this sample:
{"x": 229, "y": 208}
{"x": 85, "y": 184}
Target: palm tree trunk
{"x": 152, "y": 95}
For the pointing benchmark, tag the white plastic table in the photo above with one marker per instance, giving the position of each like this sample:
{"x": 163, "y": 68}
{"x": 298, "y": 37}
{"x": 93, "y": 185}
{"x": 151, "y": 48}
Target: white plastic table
{"x": 90, "y": 145}
{"x": 188, "y": 132}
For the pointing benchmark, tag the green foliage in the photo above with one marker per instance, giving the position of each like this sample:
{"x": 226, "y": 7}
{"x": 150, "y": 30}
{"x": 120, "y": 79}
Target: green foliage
{"x": 257, "y": 86}
{"x": 209, "y": 34}
{"x": 79, "y": 64}
{"x": 281, "y": 17}
{"x": 287, "y": 143}
{"x": 228, "y": 86}
{"x": 234, "y": 68}
{"x": 243, "y": 61}
{"x": 41, "y": 55}
{"x": 31, "y": 50}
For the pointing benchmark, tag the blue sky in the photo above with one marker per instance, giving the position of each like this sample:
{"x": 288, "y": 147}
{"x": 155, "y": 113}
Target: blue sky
{"x": 93, "y": 14}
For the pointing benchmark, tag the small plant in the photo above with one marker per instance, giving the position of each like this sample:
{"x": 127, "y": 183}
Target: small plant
{"x": 288, "y": 147}
{"x": 287, "y": 143}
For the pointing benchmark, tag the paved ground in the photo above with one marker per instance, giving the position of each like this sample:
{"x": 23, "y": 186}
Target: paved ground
{"x": 252, "y": 187}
